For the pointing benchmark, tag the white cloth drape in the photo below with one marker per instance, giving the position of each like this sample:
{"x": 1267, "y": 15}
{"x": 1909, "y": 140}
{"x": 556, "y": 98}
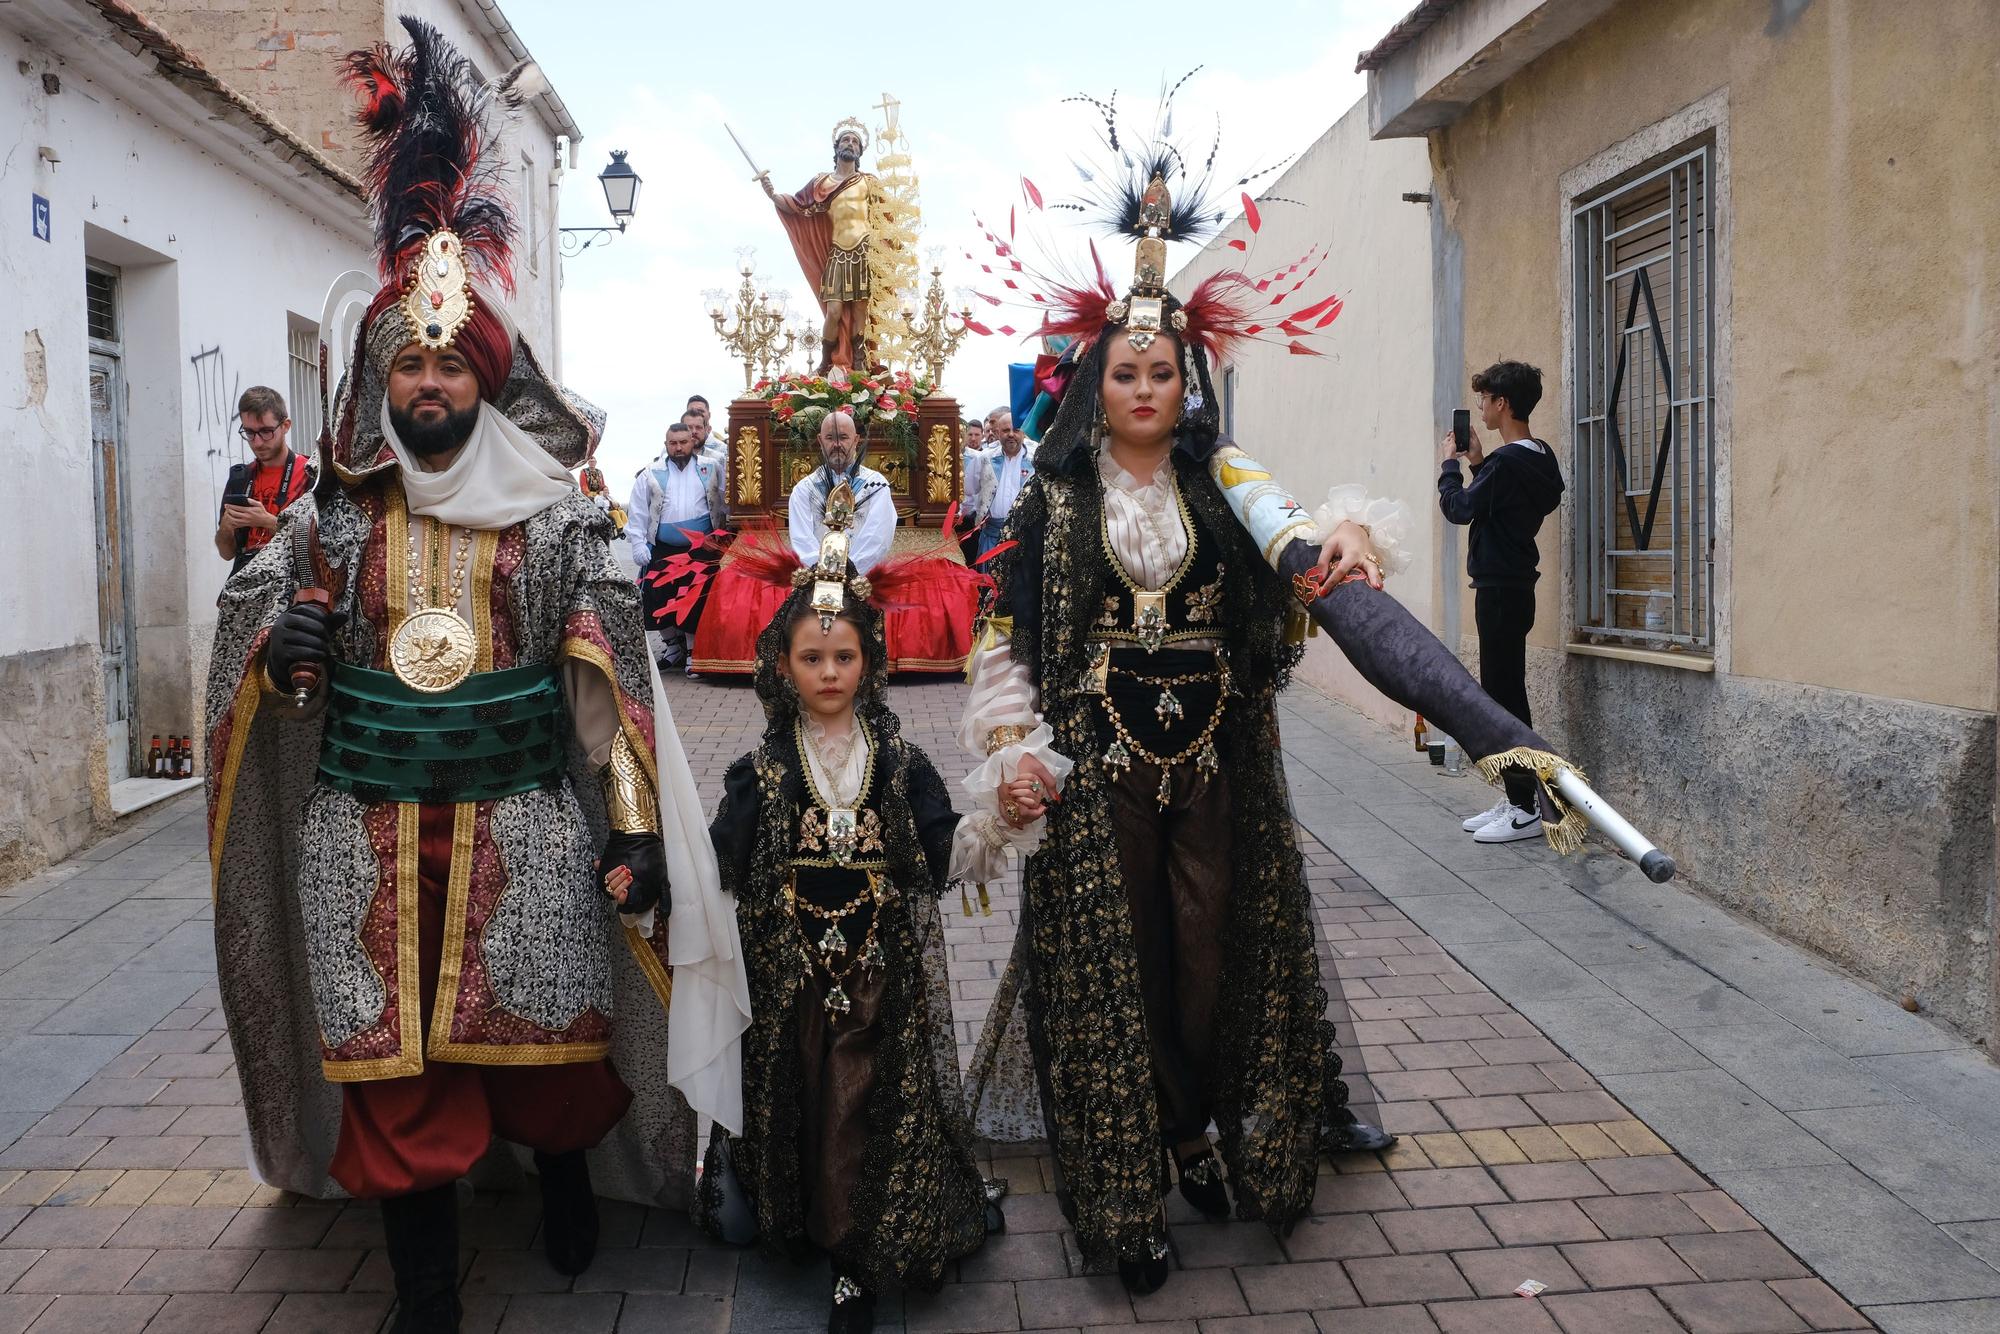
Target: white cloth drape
{"x": 711, "y": 1001}
{"x": 500, "y": 478}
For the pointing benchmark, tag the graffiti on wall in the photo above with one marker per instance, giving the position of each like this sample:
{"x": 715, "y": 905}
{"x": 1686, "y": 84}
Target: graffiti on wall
{"x": 215, "y": 394}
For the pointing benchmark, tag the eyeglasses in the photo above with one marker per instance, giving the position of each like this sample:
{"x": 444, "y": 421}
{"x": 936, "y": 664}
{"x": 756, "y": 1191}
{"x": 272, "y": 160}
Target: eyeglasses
{"x": 257, "y": 435}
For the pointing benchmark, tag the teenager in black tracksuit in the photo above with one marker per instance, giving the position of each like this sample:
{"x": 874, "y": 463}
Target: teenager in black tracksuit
{"x": 1512, "y": 490}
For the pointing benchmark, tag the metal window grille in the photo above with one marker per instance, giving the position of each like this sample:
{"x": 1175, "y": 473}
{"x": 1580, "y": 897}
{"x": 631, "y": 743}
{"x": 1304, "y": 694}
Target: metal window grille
{"x": 100, "y": 298}
{"x": 1644, "y": 397}
{"x": 302, "y": 362}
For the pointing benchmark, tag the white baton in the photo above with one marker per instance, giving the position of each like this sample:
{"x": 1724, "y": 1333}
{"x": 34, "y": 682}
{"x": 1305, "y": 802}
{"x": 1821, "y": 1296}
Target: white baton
{"x": 1657, "y": 865}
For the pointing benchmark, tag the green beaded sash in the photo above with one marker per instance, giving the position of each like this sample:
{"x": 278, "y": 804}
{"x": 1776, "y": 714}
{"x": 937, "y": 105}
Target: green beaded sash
{"x": 494, "y": 735}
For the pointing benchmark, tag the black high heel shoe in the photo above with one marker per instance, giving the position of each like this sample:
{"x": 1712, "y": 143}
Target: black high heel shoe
{"x": 1355, "y": 1137}
{"x": 995, "y": 1190}
{"x": 1148, "y": 1274}
{"x": 1201, "y": 1184}
{"x": 853, "y": 1309}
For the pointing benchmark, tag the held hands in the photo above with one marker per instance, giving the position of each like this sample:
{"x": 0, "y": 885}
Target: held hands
{"x": 303, "y": 636}
{"x": 633, "y": 871}
{"x": 1345, "y": 550}
{"x": 1448, "y": 450}
{"x": 1025, "y": 798}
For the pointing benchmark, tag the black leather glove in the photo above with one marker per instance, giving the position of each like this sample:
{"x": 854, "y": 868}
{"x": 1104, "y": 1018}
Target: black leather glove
{"x": 304, "y": 634}
{"x": 645, "y": 856}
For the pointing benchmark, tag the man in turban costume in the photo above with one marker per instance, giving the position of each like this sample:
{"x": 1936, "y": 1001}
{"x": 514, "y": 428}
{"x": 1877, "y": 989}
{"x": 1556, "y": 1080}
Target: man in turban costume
{"x": 452, "y": 830}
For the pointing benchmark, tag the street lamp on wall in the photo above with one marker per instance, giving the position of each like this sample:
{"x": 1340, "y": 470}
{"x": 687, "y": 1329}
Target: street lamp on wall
{"x": 621, "y": 200}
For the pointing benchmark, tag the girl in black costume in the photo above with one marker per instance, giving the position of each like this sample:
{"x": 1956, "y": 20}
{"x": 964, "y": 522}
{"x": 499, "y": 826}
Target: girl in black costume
{"x": 836, "y": 837}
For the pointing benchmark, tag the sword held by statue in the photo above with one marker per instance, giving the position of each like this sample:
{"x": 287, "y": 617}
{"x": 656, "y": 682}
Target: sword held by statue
{"x": 758, "y": 173}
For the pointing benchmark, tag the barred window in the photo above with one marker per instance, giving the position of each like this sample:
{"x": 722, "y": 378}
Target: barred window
{"x": 303, "y": 383}
{"x": 100, "y": 304}
{"x": 1644, "y": 396}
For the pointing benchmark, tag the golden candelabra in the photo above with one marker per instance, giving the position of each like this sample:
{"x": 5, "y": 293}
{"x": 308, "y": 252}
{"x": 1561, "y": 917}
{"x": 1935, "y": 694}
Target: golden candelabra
{"x": 932, "y": 340}
{"x": 759, "y": 337}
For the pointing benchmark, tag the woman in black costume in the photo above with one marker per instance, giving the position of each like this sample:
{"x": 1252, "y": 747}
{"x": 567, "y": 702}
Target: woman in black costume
{"x": 1165, "y": 974}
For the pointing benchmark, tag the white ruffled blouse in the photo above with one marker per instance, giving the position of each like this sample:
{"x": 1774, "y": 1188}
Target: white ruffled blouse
{"x": 1150, "y": 540}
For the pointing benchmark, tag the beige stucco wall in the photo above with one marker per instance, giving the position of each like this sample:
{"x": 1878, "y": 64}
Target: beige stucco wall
{"x": 1362, "y": 412}
{"x": 287, "y": 60}
{"x": 1864, "y": 171}
{"x": 283, "y": 57}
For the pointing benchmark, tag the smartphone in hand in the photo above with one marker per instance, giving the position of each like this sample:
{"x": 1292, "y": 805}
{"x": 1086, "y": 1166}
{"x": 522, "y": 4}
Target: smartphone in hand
{"x": 1461, "y": 429}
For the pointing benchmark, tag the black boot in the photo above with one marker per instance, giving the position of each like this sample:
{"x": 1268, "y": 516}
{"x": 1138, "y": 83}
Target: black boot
{"x": 1201, "y": 1184}
{"x": 1149, "y": 1272}
{"x": 422, "y": 1233}
{"x": 569, "y": 1212}
{"x": 853, "y": 1308}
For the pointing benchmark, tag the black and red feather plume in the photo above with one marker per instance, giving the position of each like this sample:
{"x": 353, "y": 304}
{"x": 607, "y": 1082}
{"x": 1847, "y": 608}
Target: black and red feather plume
{"x": 424, "y": 114}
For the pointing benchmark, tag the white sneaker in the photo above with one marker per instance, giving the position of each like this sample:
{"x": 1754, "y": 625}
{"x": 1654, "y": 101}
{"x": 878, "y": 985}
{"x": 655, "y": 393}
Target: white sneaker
{"x": 1472, "y": 824}
{"x": 1510, "y": 826}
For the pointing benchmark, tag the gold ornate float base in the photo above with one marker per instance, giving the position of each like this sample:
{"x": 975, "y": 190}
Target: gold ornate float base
{"x": 764, "y": 465}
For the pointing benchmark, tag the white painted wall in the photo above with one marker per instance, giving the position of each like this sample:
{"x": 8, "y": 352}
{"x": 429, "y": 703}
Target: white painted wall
{"x": 213, "y": 261}
{"x": 1362, "y": 412}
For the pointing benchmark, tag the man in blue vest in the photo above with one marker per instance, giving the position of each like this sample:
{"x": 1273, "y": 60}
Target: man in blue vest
{"x": 675, "y": 502}
{"x": 1010, "y": 463}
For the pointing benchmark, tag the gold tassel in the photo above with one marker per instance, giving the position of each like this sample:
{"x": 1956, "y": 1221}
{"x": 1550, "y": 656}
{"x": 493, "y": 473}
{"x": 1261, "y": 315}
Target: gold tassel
{"x": 1566, "y": 835}
{"x": 964, "y": 901}
{"x": 985, "y": 904}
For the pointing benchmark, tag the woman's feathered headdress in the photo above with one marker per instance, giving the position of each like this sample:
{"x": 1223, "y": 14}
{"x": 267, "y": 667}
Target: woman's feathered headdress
{"x": 1152, "y": 190}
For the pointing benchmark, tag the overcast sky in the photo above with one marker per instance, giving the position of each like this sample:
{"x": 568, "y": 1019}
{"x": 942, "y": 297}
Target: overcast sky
{"x": 981, "y": 91}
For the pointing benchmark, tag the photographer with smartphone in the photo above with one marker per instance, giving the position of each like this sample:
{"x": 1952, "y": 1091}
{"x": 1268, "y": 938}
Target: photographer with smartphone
{"x": 1512, "y": 490}
{"x": 257, "y": 491}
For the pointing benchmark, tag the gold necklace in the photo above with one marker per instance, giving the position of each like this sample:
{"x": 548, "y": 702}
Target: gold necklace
{"x": 1124, "y": 746}
{"x": 433, "y": 649}
{"x": 1149, "y": 605}
{"x": 844, "y": 832}
{"x": 834, "y": 943}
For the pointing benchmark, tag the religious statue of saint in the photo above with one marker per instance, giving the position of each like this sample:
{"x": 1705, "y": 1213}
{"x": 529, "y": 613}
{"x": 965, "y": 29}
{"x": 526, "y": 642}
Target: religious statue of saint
{"x": 831, "y": 223}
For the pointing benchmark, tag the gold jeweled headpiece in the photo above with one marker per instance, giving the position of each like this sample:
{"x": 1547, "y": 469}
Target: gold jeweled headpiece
{"x": 1143, "y": 310}
{"x": 830, "y": 571}
{"x": 439, "y": 301}
{"x": 852, "y": 126}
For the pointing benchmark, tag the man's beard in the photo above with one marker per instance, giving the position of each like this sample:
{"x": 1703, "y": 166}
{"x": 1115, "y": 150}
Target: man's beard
{"x": 838, "y": 460}
{"x": 427, "y": 439}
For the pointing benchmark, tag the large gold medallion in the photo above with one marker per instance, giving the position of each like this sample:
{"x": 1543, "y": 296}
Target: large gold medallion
{"x": 432, "y": 651}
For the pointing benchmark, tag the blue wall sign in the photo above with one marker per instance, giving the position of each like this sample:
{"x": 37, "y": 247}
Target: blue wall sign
{"x": 42, "y": 227}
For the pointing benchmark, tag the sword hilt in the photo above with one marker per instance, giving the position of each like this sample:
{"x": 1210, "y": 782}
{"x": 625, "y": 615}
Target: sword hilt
{"x": 306, "y": 675}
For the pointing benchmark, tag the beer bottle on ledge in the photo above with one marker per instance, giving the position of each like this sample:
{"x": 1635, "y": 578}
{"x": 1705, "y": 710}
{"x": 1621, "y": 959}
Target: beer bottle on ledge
{"x": 1423, "y": 739}
{"x": 156, "y": 764}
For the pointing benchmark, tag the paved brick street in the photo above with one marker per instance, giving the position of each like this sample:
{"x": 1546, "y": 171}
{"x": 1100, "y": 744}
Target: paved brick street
{"x": 125, "y": 1205}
